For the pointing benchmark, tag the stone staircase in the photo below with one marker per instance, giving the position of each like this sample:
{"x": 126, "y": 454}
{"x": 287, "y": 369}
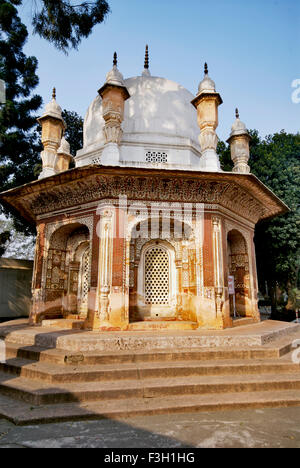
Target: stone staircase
{"x": 43, "y": 385}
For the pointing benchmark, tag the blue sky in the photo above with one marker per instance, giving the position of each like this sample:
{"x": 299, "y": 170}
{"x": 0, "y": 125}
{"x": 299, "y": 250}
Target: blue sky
{"x": 252, "y": 49}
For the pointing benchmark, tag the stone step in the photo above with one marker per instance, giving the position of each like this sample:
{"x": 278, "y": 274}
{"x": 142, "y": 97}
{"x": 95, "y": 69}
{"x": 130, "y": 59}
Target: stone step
{"x": 22, "y": 413}
{"x": 57, "y": 373}
{"x": 59, "y": 356}
{"x": 42, "y": 393}
{"x": 237, "y": 322}
{"x": 78, "y": 341}
{"x": 65, "y": 324}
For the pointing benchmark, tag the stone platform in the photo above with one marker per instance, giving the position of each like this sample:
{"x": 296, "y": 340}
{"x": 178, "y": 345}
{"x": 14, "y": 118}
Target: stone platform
{"x": 72, "y": 339}
{"x": 51, "y": 374}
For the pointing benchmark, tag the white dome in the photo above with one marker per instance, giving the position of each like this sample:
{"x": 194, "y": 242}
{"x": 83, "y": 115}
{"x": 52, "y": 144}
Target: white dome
{"x": 207, "y": 85}
{"x": 238, "y": 127}
{"x": 158, "y": 111}
{"x": 53, "y": 109}
{"x": 115, "y": 77}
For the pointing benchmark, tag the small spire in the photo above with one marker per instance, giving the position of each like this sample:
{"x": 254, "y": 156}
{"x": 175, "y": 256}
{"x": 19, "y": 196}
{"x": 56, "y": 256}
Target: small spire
{"x": 54, "y": 93}
{"x": 237, "y": 113}
{"x": 146, "y": 64}
{"x": 115, "y": 61}
{"x": 205, "y": 69}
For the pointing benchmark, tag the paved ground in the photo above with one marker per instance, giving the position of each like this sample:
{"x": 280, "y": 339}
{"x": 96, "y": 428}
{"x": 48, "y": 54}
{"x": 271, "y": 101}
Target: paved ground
{"x": 278, "y": 428}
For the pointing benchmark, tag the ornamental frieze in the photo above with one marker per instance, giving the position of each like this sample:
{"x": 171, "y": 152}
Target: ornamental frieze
{"x": 97, "y": 187}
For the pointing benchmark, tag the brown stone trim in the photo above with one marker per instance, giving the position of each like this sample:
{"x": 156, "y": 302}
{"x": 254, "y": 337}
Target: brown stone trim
{"x": 208, "y": 261}
{"x": 82, "y": 183}
{"x": 95, "y": 245}
{"x": 40, "y": 256}
{"x": 118, "y": 252}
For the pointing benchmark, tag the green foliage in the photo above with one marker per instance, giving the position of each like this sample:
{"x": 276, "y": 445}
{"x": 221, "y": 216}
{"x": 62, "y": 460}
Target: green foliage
{"x": 294, "y": 298}
{"x": 4, "y": 237}
{"x": 19, "y": 138}
{"x": 275, "y": 161}
{"x": 223, "y": 151}
{"x": 64, "y": 24}
{"x": 74, "y": 131}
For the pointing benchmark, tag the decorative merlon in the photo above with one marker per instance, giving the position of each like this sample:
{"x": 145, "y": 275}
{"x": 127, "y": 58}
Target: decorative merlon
{"x": 206, "y": 102}
{"x": 239, "y": 145}
{"x": 53, "y": 127}
{"x": 114, "y": 94}
{"x": 64, "y": 156}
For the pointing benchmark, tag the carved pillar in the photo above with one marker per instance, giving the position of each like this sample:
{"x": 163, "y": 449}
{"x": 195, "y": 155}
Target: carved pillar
{"x": 73, "y": 276}
{"x": 105, "y": 268}
{"x": 206, "y": 103}
{"x": 114, "y": 94}
{"x": 253, "y": 273}
{"x": 92, "y": 319}
{"x": 63, "y": 156}
{"x": 218, "y": 268}
{"x": 53, "y": 127}
{"x": 239, "y": 146}
{"x": 36, "y": 289}
{"x": 179, "y": 287}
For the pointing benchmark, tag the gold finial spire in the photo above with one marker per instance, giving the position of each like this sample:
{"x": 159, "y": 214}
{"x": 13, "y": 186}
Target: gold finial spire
{"x": 205, "y": 69}
{"x": 146, "y": 63}
{"x": 237, "y": 113}
{"x": 54, "y": 93}
{"x": 115, "y": 61}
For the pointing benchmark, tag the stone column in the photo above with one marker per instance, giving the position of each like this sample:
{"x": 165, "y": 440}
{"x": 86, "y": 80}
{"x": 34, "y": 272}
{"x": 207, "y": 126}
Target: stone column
{"x": 253, "y": 273}
{"x": 63, "y": 156}
{"x": 114, "y": 94}
{"x": 92, "y": 321}
{"x": 37, "y": 293}
{"x": 178, "y": 264}
{"x": 105, "y": 261}
{"x": 206, "y": 103}
{"x": 119, "y": 299}
{"x": 239, "y": 146}
{"x": 53, "y": 127}
{"x": 218, "y": 266}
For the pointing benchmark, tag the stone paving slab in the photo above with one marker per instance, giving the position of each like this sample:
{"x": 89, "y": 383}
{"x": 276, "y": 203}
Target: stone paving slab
{"x": 260, "y": 428}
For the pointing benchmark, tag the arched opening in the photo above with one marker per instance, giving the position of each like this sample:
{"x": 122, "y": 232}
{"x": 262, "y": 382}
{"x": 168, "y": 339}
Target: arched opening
{"x": 162, "y": 276}
{"x": 68, "y": 271}
{"x": 238, "y": 267}
{"x": 156, "y": 282}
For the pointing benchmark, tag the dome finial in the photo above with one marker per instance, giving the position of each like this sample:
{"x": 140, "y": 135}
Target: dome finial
{"x": 205, "y": 69}
{"x": 54, "y": 93}
{"x": 237, "y": 113}
{"x": 146, "y": 63}
{"x": 115, "y": 61}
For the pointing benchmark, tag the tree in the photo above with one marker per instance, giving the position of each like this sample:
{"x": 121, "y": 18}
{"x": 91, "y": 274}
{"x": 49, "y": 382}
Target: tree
{"x": 15, "y": 244}
{"x": 19, "y": 137}
{"x": 65, "y": 24}
{"x": 275, "y": 161}
{"x": 74, "y": 131}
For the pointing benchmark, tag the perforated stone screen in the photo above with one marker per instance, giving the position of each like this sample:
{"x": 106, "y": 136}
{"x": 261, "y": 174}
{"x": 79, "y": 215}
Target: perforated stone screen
{"x": 157, "y": 276}
{"x": 156, "y": 157}
{"x": 85, "y": 278}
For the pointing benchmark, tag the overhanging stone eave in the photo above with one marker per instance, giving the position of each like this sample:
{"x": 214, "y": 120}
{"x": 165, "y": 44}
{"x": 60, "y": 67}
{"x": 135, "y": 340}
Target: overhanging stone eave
{"x": 19, "y": 199}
